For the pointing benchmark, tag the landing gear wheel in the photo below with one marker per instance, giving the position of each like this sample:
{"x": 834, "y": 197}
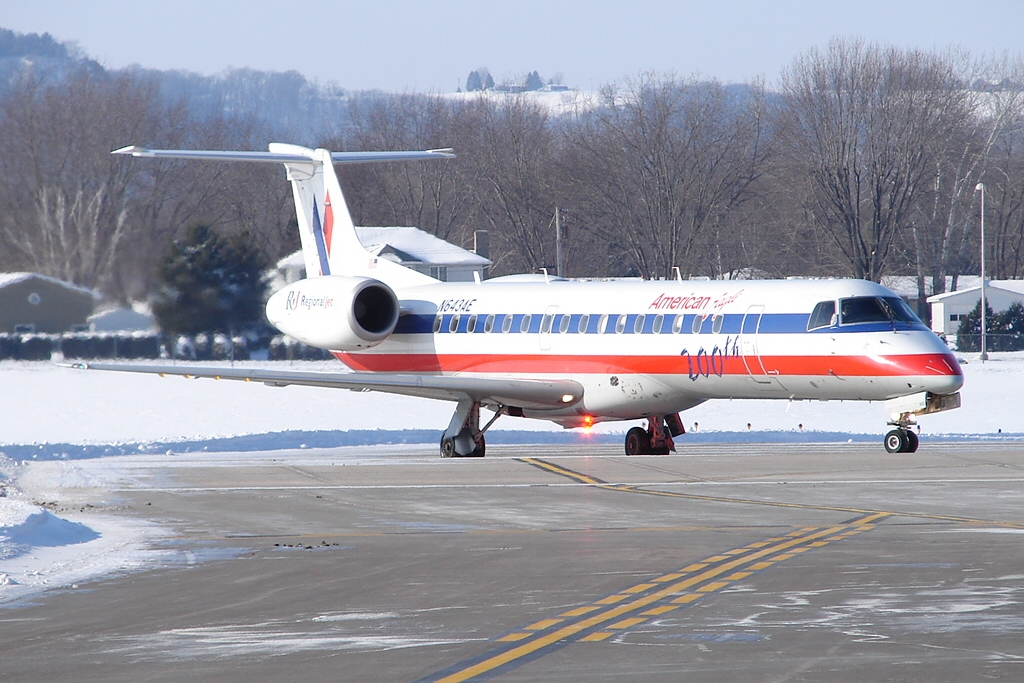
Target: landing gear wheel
{"x": 478, "y": 451}
{"x": 447, "y": 448}
{"x": 637, "y": 441}
{"x": 897, "y": 441}
{"x": 912, "y": 442}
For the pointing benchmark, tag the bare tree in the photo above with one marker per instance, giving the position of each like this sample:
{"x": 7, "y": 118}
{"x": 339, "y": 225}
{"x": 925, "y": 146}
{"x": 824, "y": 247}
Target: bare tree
{"x": 659, "y": 161}
{"x": 944, "y": 220}
{"x": 67, "y": 199}
{"x": 432, "y": 197}
{"x": 862, "y": 124}
{"x": 1005, "y": 226}
{"x": 512, "y": 167}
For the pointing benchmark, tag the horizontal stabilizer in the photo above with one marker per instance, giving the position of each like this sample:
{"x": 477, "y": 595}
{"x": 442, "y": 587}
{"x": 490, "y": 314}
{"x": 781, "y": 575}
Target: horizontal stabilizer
{"x": 535, "y": 394}
{"x": 283, "y": 157}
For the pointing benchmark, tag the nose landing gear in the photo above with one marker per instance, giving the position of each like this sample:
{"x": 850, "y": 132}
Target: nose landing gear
{"x": 901, "y": 440}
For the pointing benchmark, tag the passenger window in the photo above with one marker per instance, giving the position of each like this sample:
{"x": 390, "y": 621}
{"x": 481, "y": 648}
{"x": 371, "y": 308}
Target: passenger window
{"x": 659, "y": 321}
{"x": 620, "y": 324}
{"x": 437, "y": 323}
{"x": 489, "y": 323}
{"x": 506, "y": 324}
{"x": 524, "y": 327}
{"x": 677, "y": 324}
{"x": 717, "y": 322}
{"x": 638, "y": 326}
{"x": 821, "y": 316}
{"x": 453, "y": 326}
{"x": 697, "y": 323}
{"x": 546, "y": 322}
{"x": 563, "y": 325}
{"x": 584, "y": 323}
{"x": 602, "y": 324}
{"x": 471, "y": 323}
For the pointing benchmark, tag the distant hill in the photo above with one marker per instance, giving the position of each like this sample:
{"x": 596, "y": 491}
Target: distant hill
{"x": 50, "y": 59}
{"x": 296, "y": 107}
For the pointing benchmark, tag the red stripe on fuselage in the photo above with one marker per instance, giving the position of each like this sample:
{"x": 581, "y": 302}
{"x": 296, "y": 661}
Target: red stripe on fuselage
{"x": 923, "y": 364}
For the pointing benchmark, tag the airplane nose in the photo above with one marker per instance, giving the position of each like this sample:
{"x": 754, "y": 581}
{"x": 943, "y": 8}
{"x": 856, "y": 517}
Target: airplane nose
{"x": 944, "y": 375}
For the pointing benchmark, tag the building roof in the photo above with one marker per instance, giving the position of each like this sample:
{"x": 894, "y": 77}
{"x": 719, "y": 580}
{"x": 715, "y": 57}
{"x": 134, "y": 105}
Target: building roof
{"x": 413, "y": 244}
{"x": 8, "y": 279}
{"x": 906, "y": 285}
{"x": 1012, "y": 286}
{"x": 405, "y": 245}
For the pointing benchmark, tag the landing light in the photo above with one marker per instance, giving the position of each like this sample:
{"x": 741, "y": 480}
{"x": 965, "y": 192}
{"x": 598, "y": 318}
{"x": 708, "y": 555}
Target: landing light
{"x": 568, "y": 398}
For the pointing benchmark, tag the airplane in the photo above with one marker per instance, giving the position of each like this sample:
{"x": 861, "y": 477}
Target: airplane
{"x": 577, "y": 352}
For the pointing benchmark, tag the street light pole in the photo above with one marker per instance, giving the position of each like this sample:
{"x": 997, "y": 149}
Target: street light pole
{"x": 984, "y": 354}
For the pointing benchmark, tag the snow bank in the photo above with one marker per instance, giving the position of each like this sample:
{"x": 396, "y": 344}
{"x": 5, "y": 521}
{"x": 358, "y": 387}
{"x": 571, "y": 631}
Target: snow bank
{"x": 40, "y": 550}
{"x": 24, "y": 526}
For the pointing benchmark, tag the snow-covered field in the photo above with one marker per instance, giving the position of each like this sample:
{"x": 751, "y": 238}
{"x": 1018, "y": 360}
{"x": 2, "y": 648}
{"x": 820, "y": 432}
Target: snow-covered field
{"x": 48, "y": 407}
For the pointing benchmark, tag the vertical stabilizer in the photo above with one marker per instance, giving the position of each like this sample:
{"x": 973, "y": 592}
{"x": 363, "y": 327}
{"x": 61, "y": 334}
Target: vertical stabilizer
{"x": 330, "y": 244}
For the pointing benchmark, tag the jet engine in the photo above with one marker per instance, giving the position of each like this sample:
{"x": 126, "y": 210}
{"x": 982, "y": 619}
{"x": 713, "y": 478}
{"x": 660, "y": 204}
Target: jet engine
{"x": 335, "y": 312}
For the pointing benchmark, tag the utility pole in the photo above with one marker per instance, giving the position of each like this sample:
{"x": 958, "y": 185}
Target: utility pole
{"x": 558, "y": 244}
{"x": 984, "y": 354}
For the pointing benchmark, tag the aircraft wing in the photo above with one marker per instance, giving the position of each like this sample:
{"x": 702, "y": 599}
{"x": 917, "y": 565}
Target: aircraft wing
{"x": 522, "y": 393}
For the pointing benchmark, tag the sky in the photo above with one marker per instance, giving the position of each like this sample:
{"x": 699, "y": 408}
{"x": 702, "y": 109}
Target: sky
{"x": 432, "y": 45}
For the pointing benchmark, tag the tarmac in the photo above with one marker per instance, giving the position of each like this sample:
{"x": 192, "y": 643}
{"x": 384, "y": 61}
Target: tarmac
{"x": 731, "y": 563}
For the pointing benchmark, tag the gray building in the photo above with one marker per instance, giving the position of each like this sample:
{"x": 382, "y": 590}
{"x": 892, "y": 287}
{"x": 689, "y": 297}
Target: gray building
{"x": 950, "y": 308}
{"x": 30, "y": 302}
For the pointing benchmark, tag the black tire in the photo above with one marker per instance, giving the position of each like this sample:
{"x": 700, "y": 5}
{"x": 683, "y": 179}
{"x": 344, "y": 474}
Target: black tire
{"x": 896, "y": 441}
{"x": 912, "y": 442}
{"x": 637, "y": 442}
{"x": 481, "y": 447}
{"x": 447, "y": 448}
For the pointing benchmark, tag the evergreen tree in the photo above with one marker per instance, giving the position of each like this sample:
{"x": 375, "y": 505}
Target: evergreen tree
{"x": 1004, "y": 331}
{"x": 208, "y": 283}
{"x": 533, "y": 81}
{"x": 473, "y": 82}
{"x": 488, "y": 82}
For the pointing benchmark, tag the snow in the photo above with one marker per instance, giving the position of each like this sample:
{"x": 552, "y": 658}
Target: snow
{"x": 44, "y": 404}
{"x": 7, "y": 279}
{"x": 52, "y": 537}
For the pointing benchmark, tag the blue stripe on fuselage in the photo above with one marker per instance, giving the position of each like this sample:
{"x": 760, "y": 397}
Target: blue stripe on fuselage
{"x": 769, "y": 323}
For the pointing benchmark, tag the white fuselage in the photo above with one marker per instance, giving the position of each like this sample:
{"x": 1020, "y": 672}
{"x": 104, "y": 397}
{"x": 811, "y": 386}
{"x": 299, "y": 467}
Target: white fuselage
{"x": 644, "y": 348}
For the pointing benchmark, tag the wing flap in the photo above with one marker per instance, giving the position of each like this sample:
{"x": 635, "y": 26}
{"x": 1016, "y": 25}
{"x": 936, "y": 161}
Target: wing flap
{"x": 537, "y": 394}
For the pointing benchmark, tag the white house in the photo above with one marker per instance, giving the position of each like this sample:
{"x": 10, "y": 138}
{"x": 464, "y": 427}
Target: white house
{"x": 949, "y": 308}
{"x": 410, "y": 247}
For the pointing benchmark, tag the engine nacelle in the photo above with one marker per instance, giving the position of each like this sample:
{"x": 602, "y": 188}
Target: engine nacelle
{"x": 335, "y": 312}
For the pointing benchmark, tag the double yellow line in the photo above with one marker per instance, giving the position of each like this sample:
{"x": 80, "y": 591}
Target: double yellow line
{"x": 639, "y": 603}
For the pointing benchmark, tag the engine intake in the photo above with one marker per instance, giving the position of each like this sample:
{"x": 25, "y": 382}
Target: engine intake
{"x": 335, "y": 312}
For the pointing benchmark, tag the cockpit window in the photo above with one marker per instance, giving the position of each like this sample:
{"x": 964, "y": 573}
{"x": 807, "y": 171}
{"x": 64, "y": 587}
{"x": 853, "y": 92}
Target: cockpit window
{"x": 863, "y": 309}
{"x": 901, "y": 310}
{"x": 874, "y": 309}
{"x": 822, "y": 315}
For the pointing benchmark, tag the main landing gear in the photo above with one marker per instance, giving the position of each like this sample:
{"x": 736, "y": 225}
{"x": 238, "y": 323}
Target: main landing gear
{"x": 464, "y": 437}
{"x": 657, "y": 438}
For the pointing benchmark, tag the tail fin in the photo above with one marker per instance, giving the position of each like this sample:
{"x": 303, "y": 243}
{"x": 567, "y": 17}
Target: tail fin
{"x": 328, "y": 236}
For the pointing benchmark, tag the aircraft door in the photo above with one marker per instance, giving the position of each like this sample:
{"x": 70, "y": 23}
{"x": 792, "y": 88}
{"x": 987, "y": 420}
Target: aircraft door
{"x": 546, "y": 323}
{"x": 748, "y": 345}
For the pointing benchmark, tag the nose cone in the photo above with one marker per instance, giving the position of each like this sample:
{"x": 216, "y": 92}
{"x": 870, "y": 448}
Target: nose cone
{"x": 943, "y": 374}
